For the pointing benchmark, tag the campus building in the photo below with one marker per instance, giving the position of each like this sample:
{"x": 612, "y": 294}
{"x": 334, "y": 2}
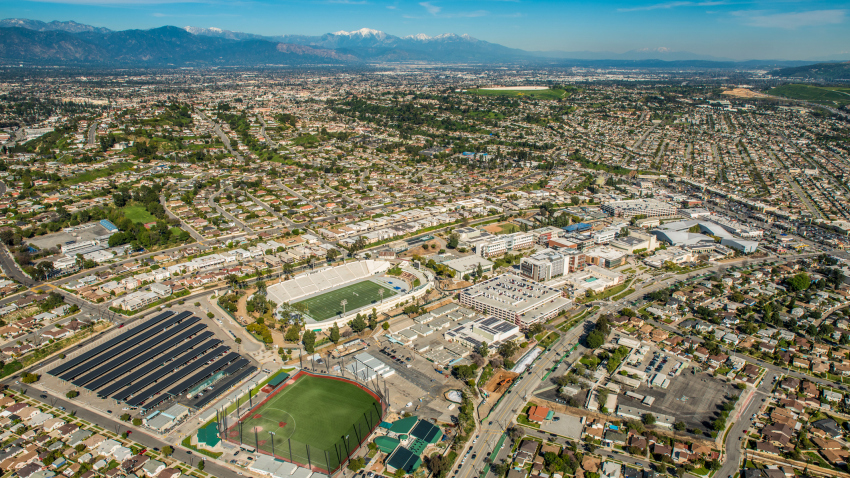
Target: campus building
{"x": 515, "y": 299}
{"x": 640, "y": 207}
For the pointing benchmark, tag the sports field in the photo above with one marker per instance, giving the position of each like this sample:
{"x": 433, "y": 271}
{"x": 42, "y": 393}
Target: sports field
{"x": 316, "y": 411}
{"x": 360, "y": 294}
{"x": 138, "y": 214}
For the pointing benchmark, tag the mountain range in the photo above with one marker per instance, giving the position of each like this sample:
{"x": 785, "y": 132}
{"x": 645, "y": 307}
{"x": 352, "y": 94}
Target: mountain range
{"x": 57, "y": 42}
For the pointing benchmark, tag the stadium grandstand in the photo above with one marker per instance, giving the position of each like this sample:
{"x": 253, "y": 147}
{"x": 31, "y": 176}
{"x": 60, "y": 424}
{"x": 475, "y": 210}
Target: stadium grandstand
{"x": 324, "y": 279}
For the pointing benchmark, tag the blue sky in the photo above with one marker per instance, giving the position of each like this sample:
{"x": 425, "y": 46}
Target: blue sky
{"x": 783, "y": 29}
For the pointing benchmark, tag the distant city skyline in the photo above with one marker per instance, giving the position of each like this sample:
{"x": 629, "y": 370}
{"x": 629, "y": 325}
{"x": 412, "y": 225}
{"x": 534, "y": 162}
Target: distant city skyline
{"x": 740, "y": 30}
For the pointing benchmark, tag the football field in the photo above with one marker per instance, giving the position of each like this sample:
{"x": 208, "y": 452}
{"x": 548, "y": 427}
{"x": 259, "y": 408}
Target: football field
{"x": 329, "y": 415}
{"x": 357, "y": 295}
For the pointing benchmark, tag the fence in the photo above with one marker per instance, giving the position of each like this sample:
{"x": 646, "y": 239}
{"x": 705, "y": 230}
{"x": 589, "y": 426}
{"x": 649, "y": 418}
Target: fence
{"x": 261, "y": 432}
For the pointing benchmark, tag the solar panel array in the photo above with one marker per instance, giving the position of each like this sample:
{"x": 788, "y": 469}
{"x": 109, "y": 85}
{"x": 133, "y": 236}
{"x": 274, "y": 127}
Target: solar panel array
{"x": 160, "y": 359}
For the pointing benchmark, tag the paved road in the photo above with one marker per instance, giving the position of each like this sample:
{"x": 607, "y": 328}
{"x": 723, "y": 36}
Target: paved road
{"x": 191, "y": 230}
{"x": 502, "y": 416}
{"x": 138, "y": 436}
{"x": 742, "y": 421}
{"x": 92, "y": 134}
{"x": 11, "y": 269}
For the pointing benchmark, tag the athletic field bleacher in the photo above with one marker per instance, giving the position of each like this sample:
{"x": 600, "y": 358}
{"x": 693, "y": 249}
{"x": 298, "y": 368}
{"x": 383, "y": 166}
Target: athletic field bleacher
{"x": 325, "y": 279}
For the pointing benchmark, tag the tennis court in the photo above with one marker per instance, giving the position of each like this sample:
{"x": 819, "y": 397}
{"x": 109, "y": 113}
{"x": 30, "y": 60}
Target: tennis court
{"x": 357, "y": 295}
{"x": 314, "y": 420}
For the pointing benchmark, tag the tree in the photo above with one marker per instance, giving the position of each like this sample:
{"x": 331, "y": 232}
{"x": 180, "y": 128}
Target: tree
{"x": 356, "y": 464}
{"x": 309, "y": 341}
{"x": 648, "y": 419}
{"x": 453, "y": 241}
{"x": 595, "y": 339}
{"x": 292, "y": 334}
{"x": 30, "y": 378}
{"x": 436, "y": 464}
{"x": 72, "y": 394}
{"x": 507, "y": 349}
{"x": 800, "y": 281}
{"x": 201, "y": 465}
{"x": 137, "y": 422}
{"x": 483, "y": 349}
{"x": 167, "y": 450}
{"x": 385, "y": 326}
{"x": 357, "y": 324}
{"x": 334, "y": 336}
{"x": 679, "y": 426}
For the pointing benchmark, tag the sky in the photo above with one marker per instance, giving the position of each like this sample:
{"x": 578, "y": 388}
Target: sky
{"x": 737, "y": 29}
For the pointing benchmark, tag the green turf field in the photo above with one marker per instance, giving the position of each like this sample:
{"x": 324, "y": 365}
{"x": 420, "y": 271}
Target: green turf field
{"x": 313, "y": 411}
{"x": 547, "y": 94}
{"x": 815, "y": 94}
{"x": 327, "y": 305}
{"x": 138, "y": 214}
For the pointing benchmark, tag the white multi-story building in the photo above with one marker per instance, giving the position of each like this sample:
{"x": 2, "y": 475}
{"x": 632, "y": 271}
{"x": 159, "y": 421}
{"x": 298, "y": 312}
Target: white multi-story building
{"x": 498, "y": 245}
{"x": 638, "y": 207}
{"x": 543, "y": 265}
{"x": 515, "y": 299}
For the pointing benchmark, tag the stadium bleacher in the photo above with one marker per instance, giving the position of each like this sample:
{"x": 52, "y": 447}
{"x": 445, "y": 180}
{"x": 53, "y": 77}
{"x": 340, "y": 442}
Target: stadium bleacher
{"x": 324, "y": 279}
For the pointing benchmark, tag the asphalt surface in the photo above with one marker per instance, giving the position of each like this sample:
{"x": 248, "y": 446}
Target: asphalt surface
{"x": 140, "y": 437}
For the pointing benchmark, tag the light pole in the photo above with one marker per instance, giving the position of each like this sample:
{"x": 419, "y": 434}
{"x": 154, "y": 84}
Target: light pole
{"x": 272, "y": 437}
{"x": 343, "y": 303}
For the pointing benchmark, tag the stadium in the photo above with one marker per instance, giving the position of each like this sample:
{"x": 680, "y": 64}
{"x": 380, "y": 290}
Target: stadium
{"x": 337, "y": 294}
{"x": 313, "y": 420}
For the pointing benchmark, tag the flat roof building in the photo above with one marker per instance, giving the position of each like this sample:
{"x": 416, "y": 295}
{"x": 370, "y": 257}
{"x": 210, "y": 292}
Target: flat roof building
{"x": 637, "y": 207}
{"x": 515, "y": 299}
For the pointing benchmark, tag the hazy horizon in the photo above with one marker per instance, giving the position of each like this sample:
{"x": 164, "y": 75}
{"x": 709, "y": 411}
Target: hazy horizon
{"x": 789, "y": 30}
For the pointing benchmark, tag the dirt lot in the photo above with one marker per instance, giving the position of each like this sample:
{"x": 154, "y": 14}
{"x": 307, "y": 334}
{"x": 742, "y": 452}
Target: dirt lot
{"x": 421, "y": 251}
{"x": 492, "y": 386}
{"x": 744, "y": 93}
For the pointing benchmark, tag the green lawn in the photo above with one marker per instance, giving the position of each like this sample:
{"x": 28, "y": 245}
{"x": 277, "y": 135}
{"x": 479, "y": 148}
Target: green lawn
{"x": 314, "y": 411}
{"x": 138, "y": 214}
{"x": 548, "y": 94}
{"x": 360, "y": 294}
{"x": 815, "y": 94}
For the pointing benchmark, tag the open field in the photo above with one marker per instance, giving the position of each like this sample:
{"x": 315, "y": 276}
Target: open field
{"x": 360, "y": 294}
{"x": 815, "y": 94}
{"x": 138, "y": 214}
{"x": 546, "y": 94}
{"x": 311, "y": 411}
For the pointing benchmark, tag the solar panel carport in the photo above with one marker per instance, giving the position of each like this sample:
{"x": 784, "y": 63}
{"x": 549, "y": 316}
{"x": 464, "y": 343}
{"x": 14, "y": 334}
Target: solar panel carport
{"x": 115, "y": 369}
{"x": 123, "y": 345}
{"x": 140, "y": 350}
{"x": 208, "y": 371}
{"x": 143, "y": 397}
{"x": 202, "y": 339}
{"x": 225, "y": 385}
{"x": 192, "y": 362}
{"x": 69, "y": 364}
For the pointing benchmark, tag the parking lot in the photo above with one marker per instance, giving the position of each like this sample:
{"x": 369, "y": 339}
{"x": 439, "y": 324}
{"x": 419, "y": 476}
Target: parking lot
{"x": 659, "y": 362}
{"x": 691, "y": 398}
{"x": 416, "y": 381}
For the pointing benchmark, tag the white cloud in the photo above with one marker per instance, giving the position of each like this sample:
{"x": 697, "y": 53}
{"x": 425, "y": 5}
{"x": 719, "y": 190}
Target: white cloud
{"x": 432, "y": 9}
{"x": 792, "y": 20}
{"x": 675, "y": 4}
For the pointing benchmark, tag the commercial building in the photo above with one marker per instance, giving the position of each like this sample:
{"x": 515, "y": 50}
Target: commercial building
{"x": 469, "y": 265}
{"x": 515, "y": 299}
{"x": 543, "y": 265}
{"x": 488, "y": 330}
{"x": 640, "y": 207}
{"x": 636, "y": 240}
{"x": 594, "y": 279}
{"x": 605, "y": 256}
{"x": 502, "y": 244}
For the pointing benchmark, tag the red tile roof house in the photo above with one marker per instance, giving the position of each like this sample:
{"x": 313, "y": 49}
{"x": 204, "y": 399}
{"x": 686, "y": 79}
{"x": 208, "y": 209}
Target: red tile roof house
{"x": 537, "y": 414}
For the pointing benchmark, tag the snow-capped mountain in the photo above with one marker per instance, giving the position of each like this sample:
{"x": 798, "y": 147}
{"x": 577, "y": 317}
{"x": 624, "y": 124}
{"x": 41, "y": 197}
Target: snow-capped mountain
{"x": 374, "y": 45}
